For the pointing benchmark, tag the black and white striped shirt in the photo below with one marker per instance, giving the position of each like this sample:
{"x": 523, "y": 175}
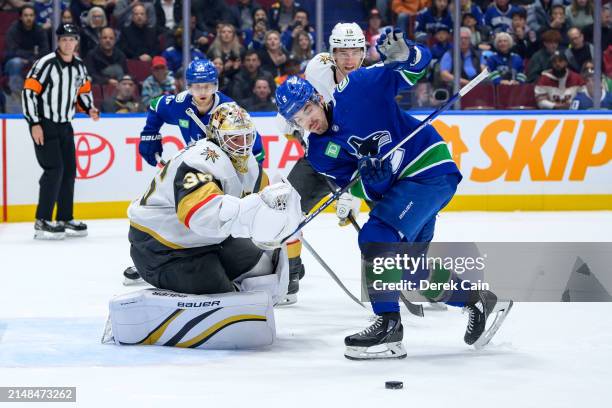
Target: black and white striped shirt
{"x": 53, "y": 88}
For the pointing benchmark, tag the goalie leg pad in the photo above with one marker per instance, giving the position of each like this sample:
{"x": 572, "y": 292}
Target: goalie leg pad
{"x": 228, "y": 321}
{"x": 275, "y": 283}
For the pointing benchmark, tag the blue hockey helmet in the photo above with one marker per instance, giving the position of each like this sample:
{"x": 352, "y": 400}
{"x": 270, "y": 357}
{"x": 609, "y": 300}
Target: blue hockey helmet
{"x": 292, "y": 95}
{"x": 201, "y": 71}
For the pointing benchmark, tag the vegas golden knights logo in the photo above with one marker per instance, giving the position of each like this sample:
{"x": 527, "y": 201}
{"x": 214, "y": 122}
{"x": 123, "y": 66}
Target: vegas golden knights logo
{"x": 210, "y": 154}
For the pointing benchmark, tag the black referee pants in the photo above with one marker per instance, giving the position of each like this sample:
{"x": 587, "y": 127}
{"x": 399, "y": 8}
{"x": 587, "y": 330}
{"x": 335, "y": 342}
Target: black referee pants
{"x": 58, "y": 161}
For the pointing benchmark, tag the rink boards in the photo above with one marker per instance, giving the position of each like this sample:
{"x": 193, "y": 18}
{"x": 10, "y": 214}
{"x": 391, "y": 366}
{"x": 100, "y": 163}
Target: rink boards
{"x": 526, "y": 160}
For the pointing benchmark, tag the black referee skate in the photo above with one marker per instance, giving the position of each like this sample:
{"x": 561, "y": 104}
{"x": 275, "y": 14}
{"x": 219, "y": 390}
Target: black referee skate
{"x": 48, "y": 230}
{"x": 383, "y": 339}
{"x": 74, "y": 228}
{"x": 484, "y": 306}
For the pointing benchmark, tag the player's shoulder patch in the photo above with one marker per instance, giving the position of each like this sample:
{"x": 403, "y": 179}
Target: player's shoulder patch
{"x": 332, "y": 150}
{"x": 182, "y": 96}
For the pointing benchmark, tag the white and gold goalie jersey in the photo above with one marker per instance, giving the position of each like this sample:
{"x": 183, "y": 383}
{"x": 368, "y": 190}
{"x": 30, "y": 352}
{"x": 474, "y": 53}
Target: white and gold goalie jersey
{"x": 320, "y": 72}
{"x": 181, "y": 207}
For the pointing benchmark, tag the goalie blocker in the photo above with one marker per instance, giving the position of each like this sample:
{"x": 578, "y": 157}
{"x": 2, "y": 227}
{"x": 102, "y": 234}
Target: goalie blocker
{"x": 225, "y": 321}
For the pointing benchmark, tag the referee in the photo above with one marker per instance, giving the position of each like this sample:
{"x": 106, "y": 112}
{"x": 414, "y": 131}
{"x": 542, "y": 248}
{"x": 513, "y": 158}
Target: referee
{"x": 54, "y": 87}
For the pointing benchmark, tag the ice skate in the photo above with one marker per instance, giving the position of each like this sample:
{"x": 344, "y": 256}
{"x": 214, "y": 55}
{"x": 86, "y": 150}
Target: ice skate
{"x": 74, "y": 228}
{"x": 485, "y": 306}
{"x": 131, "y": 277}
{"x": 47, "y": 230}
{"x": 383, "y": 339}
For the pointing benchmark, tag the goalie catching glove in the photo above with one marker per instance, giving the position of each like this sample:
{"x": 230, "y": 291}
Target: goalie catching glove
{"x": 396, "y": 51}
{"x": 265, "y": 217}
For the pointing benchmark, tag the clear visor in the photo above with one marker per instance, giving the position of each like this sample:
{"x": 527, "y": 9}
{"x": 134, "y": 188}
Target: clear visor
{"x": 236, "y": 142}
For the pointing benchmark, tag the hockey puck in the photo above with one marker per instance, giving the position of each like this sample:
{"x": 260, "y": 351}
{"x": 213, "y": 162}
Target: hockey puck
{"x": 394, "y": 385}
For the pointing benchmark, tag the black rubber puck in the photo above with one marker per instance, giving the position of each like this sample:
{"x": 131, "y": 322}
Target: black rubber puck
{"x": 394, "y": 385}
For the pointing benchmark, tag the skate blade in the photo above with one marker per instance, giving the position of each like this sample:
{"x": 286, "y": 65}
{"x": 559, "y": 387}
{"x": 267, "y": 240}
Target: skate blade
{"x": 501, "y": 310}
{"x": 390, "y": 350}
{"x": 76, "y": 234}
{"x": 134, "y": 282}
{"x": 288, "y": 300}
{"x": 49, "y": 236}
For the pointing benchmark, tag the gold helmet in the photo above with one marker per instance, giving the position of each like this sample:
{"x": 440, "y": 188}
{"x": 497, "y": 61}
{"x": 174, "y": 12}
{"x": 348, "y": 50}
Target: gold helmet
{"x": 231, "y": 128}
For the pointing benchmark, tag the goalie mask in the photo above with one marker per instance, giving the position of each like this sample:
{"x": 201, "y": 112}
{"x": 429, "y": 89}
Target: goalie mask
{"x": 232, "y": 129}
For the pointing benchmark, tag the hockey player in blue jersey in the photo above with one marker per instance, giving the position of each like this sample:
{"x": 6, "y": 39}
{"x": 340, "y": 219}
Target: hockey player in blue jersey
{"x": 202, "y": 96}
{"x": 348, "y": 135}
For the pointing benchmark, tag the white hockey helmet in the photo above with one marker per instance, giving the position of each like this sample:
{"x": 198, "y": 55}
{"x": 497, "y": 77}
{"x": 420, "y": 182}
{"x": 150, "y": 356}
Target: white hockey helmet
{"x": 346, "y": 35}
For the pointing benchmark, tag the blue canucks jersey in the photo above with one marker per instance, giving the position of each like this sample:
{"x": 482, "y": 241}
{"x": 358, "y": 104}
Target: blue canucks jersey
{"x": 505, "y": 67}
{"x": 171, "y": 109}
{"x": 498, "y": 20}
{"x": 366, "y": 121}
{"x": 427, "y": 22}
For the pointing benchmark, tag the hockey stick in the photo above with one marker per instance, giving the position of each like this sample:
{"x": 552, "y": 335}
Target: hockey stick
{"x": 467, "y": 88}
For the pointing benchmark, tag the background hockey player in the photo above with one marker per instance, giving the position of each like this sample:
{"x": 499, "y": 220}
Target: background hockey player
{"x": 347, "y": 48}
{"x": 409, "y": 188}
{"x": 193, "y": 229}
{"x": 202, "y": 95}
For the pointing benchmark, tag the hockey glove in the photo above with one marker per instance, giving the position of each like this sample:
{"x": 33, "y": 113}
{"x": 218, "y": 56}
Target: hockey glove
{"x": 376, "y": 176}
{"x": 396, "y": 51}
{"x": 149, "y": 146}
{"x": 347, "y": 205}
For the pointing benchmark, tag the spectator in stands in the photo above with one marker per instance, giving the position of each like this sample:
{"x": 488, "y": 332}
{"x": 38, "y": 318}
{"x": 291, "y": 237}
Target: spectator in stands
{"x": 25, "y": 43}
{"x": 254, "y": 37}
{"x": 244, "y": 80}
{"x": 289, "y": 68}
{"x": 479, "y": 34}
{"x": 137, "y": 40}
{"x": 106, "y": 63}
{"x": 498, "y": 16}
{"x": 559, "y": 22}
{"x": 584, "y": 98}
{"x": 540, "y": 61}
{"x": 505, "y": 66}
{"x": 90, "y": 34}
{"x": 179, "y": 80}
{"x": 227, "y": 47}
{"x": 525, "y": 40}
{"x": 404, "y": 9}
{"x": 44, "y": 13}
{"x": 209, "y": 13}
{"x": 579, "y": 13}
{"x": 222, "y": 79}
{"x": 124, "y": 9}
{"x": 606, "y": 27}
{"x": 174, "y": 54}
{"x": 273, "y": 55}
{"x": 124, "y": 100}
{"x": 579, "y": 50}
{"x": 429, "y": 19}
{"x": 302, "y": 49}
{"x": 539, "y": 14}
{"x": 557, "y": 86}
{"x": 241, "y": 14}
{"x": 160, "y": 82}
{"x": 300, "y": 24}
{"x": 261, "y": 99}
{"x": 470, "y": 58}
{"x": 467, "y": 6}
{"x": 67, "y": 17}
{"x": 281, "y": 14}
{"x": 199, "y": 38}
{"x": 79, "y": 9}
{"x": 168, "y": 14}
{"x": 12, "y": 5}
{"x": 442, "y": 43}
{"x": 373, "y": 29}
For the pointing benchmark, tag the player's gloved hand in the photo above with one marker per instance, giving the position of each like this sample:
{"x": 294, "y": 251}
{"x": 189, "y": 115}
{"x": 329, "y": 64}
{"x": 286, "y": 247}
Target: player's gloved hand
{"x": 347, "y": 205}
{"x": 149, "y": 146}
{"x": 376, "y": 176}
{"x": 396, "y": 50}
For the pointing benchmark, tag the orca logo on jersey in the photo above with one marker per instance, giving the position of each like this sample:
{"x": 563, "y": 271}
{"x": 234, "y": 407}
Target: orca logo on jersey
{"x": 94, "y": 155}
{"x": 369, "y": 145}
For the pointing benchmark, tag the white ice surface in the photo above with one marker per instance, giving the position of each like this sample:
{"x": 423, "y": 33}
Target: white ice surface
{"x": 53, "y": 308}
